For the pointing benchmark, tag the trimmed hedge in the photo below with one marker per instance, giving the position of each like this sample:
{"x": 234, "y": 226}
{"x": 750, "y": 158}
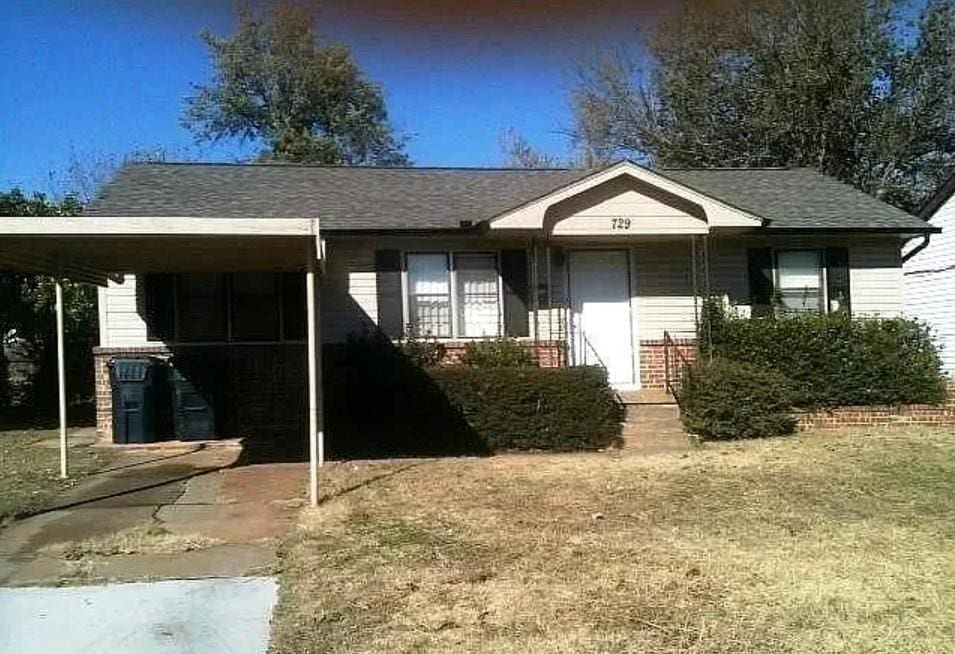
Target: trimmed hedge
{"x": 497, "y": 353}
{"x": 380, "y": 403}
{"x": 834, "y": 360}
{"x": 723, "y": 399}
{"x": 535, "y": 408}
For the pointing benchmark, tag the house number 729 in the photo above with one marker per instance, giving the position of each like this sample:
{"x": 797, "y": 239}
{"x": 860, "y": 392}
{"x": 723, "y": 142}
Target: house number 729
{"x": 619, "y": 223}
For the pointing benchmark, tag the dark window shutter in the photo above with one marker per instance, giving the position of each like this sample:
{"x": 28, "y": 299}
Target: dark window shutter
{"x": 388, "y": 284}
{"x": 837, "y": 279}
{"x": 514, "y": 276}
{"x": 159, "y": 291}
{"x": 761, "y": 281}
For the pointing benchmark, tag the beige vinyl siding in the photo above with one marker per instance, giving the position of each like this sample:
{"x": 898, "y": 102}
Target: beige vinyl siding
{"x": 349, "y": 296}
{"x": 663, "y": 288}
{"x": 123, "y": 324}
{"x": 875, "y": 271}
{"x": 662, "y": 283}
{"x": 875, "y": 281}
{"x": 619, "y": 208}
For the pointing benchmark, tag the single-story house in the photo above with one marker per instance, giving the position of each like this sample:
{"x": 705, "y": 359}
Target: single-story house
{"x": 930, "y": 274}
{"x": 212, "y": 262}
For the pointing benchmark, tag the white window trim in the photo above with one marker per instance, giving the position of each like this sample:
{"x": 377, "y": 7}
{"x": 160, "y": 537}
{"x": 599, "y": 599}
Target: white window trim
{"x": 453, "y": 281}
{"x": 823, "y": 277}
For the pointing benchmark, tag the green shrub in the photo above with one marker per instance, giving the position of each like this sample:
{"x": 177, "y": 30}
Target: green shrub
{"x": 835, "y": 360}
{"x": 378, "y": 402}
{"x": 497, "y": 353}
{"x": 723, "y": 399}
{"x": 422, "y": 351}
{"x": 535, "y": 408}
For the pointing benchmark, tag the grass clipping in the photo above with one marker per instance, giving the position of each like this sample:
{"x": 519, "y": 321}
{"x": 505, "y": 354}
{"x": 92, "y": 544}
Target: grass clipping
{"x": 135, "y": 540}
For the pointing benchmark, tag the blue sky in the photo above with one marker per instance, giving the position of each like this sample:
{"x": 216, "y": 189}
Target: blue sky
{"x": 90, "y": 79}
{"x": 95, "y": 78}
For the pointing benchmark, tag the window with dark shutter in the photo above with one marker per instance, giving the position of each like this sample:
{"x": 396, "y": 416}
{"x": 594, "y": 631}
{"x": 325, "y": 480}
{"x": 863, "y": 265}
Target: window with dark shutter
{"x": 799, "y": 277}
{"x": 516, "y": 292}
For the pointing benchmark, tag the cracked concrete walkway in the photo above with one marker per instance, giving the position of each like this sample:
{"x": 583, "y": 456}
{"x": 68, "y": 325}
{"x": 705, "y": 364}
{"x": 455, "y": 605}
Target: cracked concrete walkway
{"x": 205, "y": 492}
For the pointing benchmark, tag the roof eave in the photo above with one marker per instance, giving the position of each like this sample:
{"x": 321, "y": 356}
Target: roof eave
{"x": 927, "y": 229}
{"x": 928, "y": 210}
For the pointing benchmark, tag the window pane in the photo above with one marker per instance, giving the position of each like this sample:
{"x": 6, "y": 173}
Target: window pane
{"x": 294, "y": 321}
{"x": 799, "y": 269}
{"x": 800, "y": 300}
{"x": 255, "y": 307}
{"x": 478, "y": 298}
{"x": 800, "y": 279}
{"x": 428, "y": 274}
{"x": 201, "y": 307}
{"x": 429, "y": 294}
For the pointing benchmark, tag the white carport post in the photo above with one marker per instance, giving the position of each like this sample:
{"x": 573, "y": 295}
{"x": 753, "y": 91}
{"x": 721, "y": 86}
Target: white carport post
{"x": 316, "y": 435}
{"x": 61, "y": 377}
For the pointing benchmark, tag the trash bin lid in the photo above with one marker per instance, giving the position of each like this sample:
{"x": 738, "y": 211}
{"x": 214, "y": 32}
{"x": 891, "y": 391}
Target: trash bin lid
{"x": 131, "y": 370}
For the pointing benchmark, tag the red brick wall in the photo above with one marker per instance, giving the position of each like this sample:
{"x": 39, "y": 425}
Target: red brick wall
{"x": 653, "y": 360}
{"x": 549, "y": 354}
{"x": 880, "y": 416}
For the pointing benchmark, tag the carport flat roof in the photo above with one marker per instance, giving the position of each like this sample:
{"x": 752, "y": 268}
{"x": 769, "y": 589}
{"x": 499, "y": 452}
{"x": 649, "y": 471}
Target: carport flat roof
{"x": 88, "y": 249}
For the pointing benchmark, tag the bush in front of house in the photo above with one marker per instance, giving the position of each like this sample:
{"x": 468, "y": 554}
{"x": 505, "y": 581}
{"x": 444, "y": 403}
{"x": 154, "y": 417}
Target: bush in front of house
{"x": 379, "y": 402}
{"x": 424, "y": 351}
{"x": 722, "y": 399}
{"x": 497, "y": 353}
{"x": 558, "y": 409}
{"x": 835, "y": 360}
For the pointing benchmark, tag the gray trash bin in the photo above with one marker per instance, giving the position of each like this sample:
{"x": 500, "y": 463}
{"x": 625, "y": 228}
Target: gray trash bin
{"x": 139, "y": 400}
{"x": 196, "y": 387}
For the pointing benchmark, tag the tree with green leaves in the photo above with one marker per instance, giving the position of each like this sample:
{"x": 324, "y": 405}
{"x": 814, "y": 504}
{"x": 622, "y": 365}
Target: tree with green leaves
{"x": 27, "y": 320}
{"x": 275, "y": 83}
{"x": 844, "y": 87}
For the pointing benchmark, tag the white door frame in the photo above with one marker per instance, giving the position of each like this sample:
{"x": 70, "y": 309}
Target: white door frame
{"x": 631, "y": 289}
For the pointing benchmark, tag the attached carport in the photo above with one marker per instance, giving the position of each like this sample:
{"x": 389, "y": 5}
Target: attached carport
{"x": 91, "y": 249}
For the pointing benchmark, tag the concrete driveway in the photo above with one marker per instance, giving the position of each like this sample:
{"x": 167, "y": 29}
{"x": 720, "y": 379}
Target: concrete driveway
{"x": 217, "y": 494}
{"x": 211, "y": 616}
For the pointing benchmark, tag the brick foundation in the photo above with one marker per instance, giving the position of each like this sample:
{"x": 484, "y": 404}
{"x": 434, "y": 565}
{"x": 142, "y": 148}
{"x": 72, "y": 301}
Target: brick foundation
{"x": 548, "y": 354}
{"x": 653, "y": 360}
{"x": 882, "y": 416}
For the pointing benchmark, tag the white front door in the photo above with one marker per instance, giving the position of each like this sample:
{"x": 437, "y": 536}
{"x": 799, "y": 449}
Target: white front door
{"x": 601, "y": 326}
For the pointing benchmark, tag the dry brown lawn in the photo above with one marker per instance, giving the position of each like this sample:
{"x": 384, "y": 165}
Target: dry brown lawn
{"x": 30, "y": 469}
{"x": 816, "y": 543}
{"x": 143, "y": 539}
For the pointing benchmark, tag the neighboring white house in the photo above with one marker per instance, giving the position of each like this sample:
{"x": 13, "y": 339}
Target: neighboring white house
{"x": 930, "y": 275}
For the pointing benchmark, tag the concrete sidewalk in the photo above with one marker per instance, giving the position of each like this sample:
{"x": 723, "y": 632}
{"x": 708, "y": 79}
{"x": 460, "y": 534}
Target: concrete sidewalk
{"x": 212, "y": 493}
{"x": 230, "y": 616}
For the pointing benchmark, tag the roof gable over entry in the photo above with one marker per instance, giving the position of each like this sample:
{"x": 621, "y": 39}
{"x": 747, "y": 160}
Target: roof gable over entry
{"x": 625, "y": 199}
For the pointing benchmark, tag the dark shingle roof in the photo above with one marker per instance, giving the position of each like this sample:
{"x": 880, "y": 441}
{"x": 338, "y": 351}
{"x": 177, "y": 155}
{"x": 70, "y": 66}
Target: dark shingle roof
{"x": 441, "y": 198}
